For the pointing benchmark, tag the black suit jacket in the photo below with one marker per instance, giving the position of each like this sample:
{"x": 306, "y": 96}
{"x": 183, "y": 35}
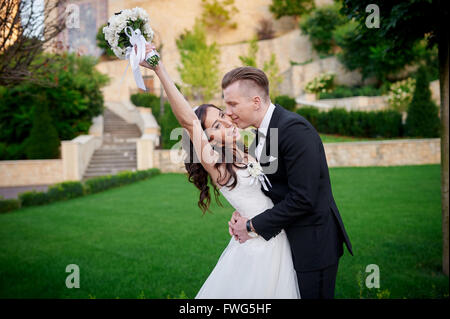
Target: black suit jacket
{"x": 301, "y": 191}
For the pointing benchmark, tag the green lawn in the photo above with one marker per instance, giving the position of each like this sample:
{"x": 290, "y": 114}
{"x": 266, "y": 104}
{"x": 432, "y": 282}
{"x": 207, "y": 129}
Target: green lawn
{"x": 150, "y": 240}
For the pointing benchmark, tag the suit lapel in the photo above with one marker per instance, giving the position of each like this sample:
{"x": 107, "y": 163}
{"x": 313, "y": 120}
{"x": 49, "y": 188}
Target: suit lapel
{"x": 265, "y": 154}
{"x": 252, "y": 149}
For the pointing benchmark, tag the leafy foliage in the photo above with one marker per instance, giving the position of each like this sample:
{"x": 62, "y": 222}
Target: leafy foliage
{"x": 386, "y": 123}
{"x": 103, "y": 44}
{"x": 43, "y": 142}
{"x": 281, "y": 8}
{"x": 341, "y": 91}
{"x": 285, "y": 101}
{"x": 320, "y": 24}
{"x": 401, "y": 94}
{"x": 217, "y": 14}
{"x": 323, "y": 83}
{"x": 272, "y": 71}
{"x": 383, "y": 52}
{"x": 73, "y": 99}
{"x": 200, "y": 64}
{"x": 423, "y": 119}
{"x": 270, "y": 67}
{"x": 250, "y": 58}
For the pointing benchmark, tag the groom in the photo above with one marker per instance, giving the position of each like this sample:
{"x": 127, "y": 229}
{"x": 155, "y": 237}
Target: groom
{"x": 292, "y": 156}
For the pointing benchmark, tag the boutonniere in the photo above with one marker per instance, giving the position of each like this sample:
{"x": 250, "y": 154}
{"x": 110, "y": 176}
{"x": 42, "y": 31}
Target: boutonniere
{"x": 256, "y": 172}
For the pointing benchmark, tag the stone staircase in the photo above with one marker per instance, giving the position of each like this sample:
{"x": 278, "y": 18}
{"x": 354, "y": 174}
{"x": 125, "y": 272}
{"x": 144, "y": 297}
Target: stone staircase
{"x": 118, "y": 151}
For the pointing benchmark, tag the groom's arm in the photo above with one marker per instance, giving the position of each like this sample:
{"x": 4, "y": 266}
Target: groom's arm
{"x": 300, "y": 152}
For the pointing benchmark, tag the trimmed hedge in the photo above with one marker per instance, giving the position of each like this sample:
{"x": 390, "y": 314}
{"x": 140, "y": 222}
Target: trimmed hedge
{"x": 286, "y": 101}
{"x": 385, "y": 123}
{"x": 7, "y": 205}
{"x": 342, "y": 91}
{"x": 73, "y": 189}
{"x": 101, "y": 183}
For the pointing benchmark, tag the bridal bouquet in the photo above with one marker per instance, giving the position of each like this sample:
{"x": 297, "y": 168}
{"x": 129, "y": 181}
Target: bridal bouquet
{"x": 127, "y": 32}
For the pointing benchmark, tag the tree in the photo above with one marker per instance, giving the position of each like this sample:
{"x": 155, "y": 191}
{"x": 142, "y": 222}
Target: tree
{"x": 200, "y": 64}
{"x": 320, "y": 24}
{"x": 423, "y": 118}
{"x": 272, "y": 71}
{"x": 403, "y": 24}
{"x": 250, "y": 59}
{"x": 295, "y": 8}
{"x": 27, "y": 28}
{"x": 43, "y": 142}
{"x": 270, "y": 67}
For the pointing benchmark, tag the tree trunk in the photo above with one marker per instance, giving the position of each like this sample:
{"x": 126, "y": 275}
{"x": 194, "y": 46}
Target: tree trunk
{"x": 443, "y": 79}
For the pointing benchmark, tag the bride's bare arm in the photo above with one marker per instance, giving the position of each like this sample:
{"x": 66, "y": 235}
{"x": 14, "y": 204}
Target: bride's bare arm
{"x": 187, "y": 119}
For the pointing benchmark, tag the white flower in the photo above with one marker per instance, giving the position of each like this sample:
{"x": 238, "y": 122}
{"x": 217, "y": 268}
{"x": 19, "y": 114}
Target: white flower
{"x": 117, "y": 23}
{"x": 254, "y": 169}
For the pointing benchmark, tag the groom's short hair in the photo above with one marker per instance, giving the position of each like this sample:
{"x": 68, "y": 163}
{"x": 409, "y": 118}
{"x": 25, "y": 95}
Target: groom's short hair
{"x": 247, "y": 74}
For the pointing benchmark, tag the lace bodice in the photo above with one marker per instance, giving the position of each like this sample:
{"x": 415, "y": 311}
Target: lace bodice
{"x": 247, "y": 197}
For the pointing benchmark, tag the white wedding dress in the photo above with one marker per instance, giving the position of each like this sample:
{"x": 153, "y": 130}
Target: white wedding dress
{"x": 256, "y": 269}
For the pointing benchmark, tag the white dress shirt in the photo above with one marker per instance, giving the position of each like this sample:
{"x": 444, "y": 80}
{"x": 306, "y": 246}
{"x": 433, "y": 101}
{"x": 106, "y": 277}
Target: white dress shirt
{"x": 262, "y": 130}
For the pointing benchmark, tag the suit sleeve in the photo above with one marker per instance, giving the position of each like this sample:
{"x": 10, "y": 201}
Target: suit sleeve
{"x": 300, "y": 152}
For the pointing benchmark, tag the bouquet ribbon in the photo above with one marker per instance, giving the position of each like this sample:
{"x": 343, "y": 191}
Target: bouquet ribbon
{"x": 135, "y": 57}
{"x": 263, "y": 179}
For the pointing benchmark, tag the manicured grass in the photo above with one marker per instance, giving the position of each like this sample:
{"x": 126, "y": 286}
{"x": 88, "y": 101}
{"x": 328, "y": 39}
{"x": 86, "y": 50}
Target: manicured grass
{"x": 150, "y": 240}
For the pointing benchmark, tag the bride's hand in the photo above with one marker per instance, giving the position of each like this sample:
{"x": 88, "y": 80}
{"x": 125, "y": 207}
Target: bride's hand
{"x": 148, "y": 48}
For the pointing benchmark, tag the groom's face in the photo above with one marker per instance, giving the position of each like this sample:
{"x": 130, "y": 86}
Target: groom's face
{"x": 240, "y": 104}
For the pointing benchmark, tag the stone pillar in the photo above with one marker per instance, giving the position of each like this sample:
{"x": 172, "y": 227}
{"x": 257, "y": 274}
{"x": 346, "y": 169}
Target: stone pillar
{"x": 70, "y": 153}
{"x": 144, "y": 152}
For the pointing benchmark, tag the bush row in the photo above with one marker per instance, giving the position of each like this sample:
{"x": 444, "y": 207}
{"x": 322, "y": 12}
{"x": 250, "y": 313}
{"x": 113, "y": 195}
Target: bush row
{"x": 73, "y": 189}
{"x": 373, "y": 124}
{"x": 342, "y": 91}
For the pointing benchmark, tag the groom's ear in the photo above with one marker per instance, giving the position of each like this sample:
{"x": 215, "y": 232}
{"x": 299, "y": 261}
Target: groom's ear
{"x": 256, "y": 102}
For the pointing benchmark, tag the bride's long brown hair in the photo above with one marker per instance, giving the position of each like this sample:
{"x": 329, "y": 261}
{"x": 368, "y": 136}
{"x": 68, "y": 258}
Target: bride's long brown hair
{"x": 197, "y": 173}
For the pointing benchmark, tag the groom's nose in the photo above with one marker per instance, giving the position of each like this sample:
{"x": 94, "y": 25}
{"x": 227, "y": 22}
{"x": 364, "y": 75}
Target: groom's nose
{"x": 228, "y": 110}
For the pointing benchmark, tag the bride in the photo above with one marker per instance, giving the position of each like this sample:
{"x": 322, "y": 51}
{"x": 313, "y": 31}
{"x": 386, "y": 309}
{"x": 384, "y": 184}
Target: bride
{"x": 256, "y": 268}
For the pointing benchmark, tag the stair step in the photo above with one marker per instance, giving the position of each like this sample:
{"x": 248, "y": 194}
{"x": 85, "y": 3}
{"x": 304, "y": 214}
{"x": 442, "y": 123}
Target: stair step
{"x": 109, "y": 168}
{"x": 111, "y": 171}
{"x": 111, "y": 163}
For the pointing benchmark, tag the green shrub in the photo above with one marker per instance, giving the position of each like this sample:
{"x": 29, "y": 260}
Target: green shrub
{"x": 218, "y": 14}
{"x": 342, "y": 91}
{"x": 101, "y": 183}
{"x": 310, "y": 113}
{"x": 168, "y": 122}
{"x": 386, "y": 123}
{"x": 286, "y": 101}
{"x": 401, "y": 94}
{"x": 43, "y": 142}
{"x": 33, "y": 198}
{"x": 281, "y": 8}
{"x": 320, "y": 84}
{"x": 423, "y": 119}
{"x": 7, "y": 205}
{"x": 65, "y": 190}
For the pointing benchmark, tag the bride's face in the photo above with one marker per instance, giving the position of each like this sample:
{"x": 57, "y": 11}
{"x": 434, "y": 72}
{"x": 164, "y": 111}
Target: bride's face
{"x": 220, "y": 128}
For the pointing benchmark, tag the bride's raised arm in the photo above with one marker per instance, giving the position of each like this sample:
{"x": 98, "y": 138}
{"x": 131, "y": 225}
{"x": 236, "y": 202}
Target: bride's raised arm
{"x": 187, "y": 118}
